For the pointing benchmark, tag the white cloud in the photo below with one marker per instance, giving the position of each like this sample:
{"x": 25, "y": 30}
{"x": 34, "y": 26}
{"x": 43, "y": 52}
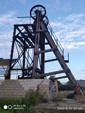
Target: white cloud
{"x": 5, "y": 35}
{"x": 7, "y": 44}
{"x": 7, "y": 18}
{"x": 72, "y": 17}
{"x": 74, "y": 45}
{"x": 56, "y": 24}
{"x": 10, "y": 18}
{"x": 71, "y": 31}
{"x": 7, "y": 22}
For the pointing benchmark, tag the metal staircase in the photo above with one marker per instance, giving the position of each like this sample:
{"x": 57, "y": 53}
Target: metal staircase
{"x": 56, "y": 41}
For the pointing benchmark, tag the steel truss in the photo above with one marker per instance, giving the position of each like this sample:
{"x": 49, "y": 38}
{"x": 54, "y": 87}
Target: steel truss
{"x": 29, "y": 42}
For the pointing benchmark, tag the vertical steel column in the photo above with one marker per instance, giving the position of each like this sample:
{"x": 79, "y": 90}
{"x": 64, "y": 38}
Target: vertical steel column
{"x": 37, "y": 38}
{"x": 23, "y": 71}
{"x": 42, "y": 39}
{"x": 11, "y": 56}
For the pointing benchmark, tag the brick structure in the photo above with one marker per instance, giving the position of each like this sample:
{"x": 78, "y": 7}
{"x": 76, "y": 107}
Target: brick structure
{"x": 21, "y": 88}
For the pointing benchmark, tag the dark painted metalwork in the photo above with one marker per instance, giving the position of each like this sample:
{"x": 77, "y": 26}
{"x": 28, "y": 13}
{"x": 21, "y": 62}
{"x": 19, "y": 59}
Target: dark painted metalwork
{"x": 58, "y": 77}
{"x": 30, "y": 41}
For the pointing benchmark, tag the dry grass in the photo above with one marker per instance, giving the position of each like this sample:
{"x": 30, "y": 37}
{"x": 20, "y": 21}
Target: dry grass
{"x": 84, "y": 92}
{"x": 61, "y": 95}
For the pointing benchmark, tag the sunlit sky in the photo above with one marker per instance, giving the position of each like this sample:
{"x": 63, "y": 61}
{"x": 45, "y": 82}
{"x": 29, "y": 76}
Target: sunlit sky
{"x": 66, "y": 17}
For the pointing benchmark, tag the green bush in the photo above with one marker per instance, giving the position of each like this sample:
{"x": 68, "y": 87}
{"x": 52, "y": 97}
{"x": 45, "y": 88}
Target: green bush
{"x": 65, "y": 87}
{"x": 32, "y": 99}
{"x": 36, "y": 98}
{"x": 71, "y": 95}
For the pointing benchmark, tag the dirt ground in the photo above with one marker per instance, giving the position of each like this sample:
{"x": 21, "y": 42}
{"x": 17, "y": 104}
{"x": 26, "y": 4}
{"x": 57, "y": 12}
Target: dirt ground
{"x": 65, "y": 104}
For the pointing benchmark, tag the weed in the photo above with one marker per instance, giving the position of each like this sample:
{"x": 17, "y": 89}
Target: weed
{"x": 32, "y": 99}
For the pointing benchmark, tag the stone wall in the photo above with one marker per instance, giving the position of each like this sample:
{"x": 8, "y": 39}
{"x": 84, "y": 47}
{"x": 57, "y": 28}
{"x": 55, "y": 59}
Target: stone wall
{"x": 21, "y": 88}
{"x": 80, "y": 98}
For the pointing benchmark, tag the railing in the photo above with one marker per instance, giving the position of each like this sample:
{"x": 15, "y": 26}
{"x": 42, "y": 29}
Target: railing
{"x": 59, "y": 46}
{"x": 28, "y": 18}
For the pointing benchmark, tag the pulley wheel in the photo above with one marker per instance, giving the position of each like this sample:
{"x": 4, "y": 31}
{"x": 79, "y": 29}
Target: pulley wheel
{"x": 45, "y": 20}
{"x": 39, "y": 8}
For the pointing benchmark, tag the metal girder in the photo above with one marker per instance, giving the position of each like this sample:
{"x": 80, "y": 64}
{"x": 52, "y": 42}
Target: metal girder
{"x": 37, "y": 39}
{"x": 30, "y": 34}
{"x": 50, "y": 60}
{"x": 42, "y": 46}
{"x": 45, "y": 51}
{"x": 58, "y": 56}
{"x": 22, "y": 41}
{"x": 59, "y": 77}
{"x": 11, "y": 56}
{"x": 30, "y": 68}
{"x": 50, "y": 73}
{"x": 54, "y": 60}
{"x": 17, "y": 25}
{"x": 25, "y": 44}
{"x": 26, "y": 38}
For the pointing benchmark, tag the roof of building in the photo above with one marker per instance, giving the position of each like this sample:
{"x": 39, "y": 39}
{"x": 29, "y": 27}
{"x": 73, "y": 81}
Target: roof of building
{"x": 81, "y": 82}
{"x": 5, "y": 62}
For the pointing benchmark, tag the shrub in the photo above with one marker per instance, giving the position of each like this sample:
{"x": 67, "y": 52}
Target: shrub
{"x": 71, "y": 95}
{"x": 36, "y": 98}
{"x": 33, "y": 98}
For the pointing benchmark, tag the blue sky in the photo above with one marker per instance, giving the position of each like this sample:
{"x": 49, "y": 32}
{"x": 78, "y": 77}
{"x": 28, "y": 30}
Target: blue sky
{"x": 67, "y": 18}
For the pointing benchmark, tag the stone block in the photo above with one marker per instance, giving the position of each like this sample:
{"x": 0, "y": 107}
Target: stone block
{"x": 80, "y": 98}
{"x": 1, "y": 81}
{"x": 19, "y": 88}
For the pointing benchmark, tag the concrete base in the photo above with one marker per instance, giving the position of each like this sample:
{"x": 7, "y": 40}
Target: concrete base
{"x": 21, "y": 88}
{"x": 80, "y": 98}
